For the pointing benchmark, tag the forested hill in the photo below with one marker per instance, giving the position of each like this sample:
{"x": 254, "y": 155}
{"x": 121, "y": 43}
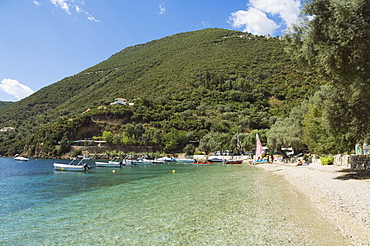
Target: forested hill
{"x": 3, "y": 105}
{"x": 194, "y": 83}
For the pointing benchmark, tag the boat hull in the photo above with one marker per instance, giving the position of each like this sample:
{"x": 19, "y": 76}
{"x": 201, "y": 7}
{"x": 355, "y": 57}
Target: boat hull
{"x": 201, "y": 163}
{"x": 234, "y": 162}
{"x": 184, "y": 161}
{"x": 67, "y": 167}
{"x": 108, "y": 164}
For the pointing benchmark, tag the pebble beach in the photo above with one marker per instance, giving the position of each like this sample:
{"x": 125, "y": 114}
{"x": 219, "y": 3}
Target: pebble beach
{"x": 338, "y": 194}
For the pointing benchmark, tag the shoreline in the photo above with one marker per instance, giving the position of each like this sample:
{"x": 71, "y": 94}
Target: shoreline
{"x": 340, "y": 195}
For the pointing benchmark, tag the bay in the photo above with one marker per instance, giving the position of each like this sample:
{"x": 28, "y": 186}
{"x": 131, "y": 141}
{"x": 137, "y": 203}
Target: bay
{"x": 170, "y": 204}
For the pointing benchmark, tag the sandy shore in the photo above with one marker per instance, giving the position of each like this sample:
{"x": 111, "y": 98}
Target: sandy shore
{"x": 340, "y": 195}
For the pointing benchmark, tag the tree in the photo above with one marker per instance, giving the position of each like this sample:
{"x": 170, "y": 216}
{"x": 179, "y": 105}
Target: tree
{"x": 189, "y": 149}
{"x": 174, "y": 141}
{"x": 287, "y": 132}
{"x": 64, "y": 145}
{"x": 333, "y": 39}
{"x": 321, "y": 136}
{"x": 108, "y": 137}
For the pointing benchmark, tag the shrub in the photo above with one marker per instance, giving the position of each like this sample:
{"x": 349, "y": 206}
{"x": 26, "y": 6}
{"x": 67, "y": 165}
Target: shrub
{"x": 327, "y": 160}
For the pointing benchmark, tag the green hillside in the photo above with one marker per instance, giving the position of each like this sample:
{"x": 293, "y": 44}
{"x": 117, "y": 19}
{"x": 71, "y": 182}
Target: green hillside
{"x": 188, "y": 85}
{"x": 4, "y": 105}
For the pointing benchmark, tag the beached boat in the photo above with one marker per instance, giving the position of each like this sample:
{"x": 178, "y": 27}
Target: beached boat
{"x": 259, "y": 161}
{"x": 21, "y": 158}
{"x": 115, "y": 162}
{"x": 233, "y": 161}
{"x": 75, "y": 165}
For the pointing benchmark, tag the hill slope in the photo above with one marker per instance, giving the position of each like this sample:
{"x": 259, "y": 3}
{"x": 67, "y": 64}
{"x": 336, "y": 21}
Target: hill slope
{"x": 227, "y": 80}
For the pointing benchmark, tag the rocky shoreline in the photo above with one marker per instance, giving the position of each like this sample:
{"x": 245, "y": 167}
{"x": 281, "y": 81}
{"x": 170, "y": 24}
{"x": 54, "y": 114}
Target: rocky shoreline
{"x": 339, "y": 194}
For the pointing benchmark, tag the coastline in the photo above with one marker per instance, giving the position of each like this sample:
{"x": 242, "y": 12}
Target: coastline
{"x": 340, "y": 195}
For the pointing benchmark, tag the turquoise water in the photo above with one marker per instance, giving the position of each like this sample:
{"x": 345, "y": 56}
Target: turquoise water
{"x": 151, "y": 205}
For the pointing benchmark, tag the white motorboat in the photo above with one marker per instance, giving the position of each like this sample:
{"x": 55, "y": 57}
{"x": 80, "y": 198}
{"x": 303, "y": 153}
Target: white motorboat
{"x": 184, "y": 160}
{"x": 21, "y": 158}
{"x": 157, "y": 161}
{"x": 166, "y": 159}
{"x": 142, "y": 162}
{"x": 115, "y": 162}
{"x": 80, "y": 166}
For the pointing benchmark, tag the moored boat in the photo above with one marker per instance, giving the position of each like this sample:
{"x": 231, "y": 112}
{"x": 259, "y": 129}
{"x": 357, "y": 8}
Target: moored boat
{"x": 157, "y": 162}
{"x": 233, "y": 161}
{"x": 184, "y": 160}
{"x": 201, "y": 163}
{"x": 80, "y": 166}
{"x": 21, "y": 158}
{"x": 215, "y": 159}
{"x": 115, "y": 162}
{"x": 142, "y": 162}
{"x": 167, "y": 159}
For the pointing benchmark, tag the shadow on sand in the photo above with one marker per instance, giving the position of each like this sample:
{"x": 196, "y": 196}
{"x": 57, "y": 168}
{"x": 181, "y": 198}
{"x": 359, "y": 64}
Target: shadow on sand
{"x": 354, "y": 174}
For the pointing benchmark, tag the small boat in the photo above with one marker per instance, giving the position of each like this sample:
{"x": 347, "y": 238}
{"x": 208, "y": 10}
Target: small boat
{"x": 167, "y": 159}
{"x": 233, "y": 161}
{"x": 184, "y": 160}
{"x": 157, "y": 161}
{"x": 215, "y": 159}
{"x": 21, "y": 158}
{"x": 80, "y": 166}
{"x": 201, "y": 163}
{"x": 259, "y": 161}
{"x": 142, "y": 162}
{"x": 115, "y": 162}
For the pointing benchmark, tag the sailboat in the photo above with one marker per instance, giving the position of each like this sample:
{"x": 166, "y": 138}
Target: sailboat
{"x": 259, "y": 151}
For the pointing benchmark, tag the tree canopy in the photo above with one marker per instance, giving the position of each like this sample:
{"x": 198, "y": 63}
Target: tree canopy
{"x": 334, "y": 39}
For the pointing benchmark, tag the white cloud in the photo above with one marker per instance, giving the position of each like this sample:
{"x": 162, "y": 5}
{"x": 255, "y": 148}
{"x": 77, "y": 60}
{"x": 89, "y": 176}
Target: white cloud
{"x": 262, "y": 16}
{"x": 37, "y": 3}
{"x": 205, "y": 23}
{"x": 90, "y": 17}
{"x": 63, "y": 4}
{"x": 254, "y": 20}
{"x": 162, "y": 9}
{"x": 287, "y": 10}
{"x": 14, "y": 88}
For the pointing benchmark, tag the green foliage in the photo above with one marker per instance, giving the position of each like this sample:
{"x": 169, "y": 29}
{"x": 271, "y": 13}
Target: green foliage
{"x": 287, "y": 132}
{"x": 327, "y": 160}
{"x": 323, "y": 131}
{"x": 174, "y": 141}
{"x": 189, "y": 149}
{"x": 335, "y": 42}
{"x": 108, "y": 137}
{"x": 4, "y": 105}
{"x": 77, "y": 152}
{"x": 212, "y": 80}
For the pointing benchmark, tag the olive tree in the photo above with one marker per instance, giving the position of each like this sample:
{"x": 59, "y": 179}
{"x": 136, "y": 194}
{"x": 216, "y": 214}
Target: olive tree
{"x": 333, "y": 39}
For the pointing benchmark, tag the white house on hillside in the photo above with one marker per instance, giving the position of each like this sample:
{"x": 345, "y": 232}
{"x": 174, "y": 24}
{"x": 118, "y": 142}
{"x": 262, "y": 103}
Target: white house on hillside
{"x": 119, "y": 101}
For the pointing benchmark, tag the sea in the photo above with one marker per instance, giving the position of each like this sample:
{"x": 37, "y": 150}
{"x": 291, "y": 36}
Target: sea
{"x": 168, "y": 204}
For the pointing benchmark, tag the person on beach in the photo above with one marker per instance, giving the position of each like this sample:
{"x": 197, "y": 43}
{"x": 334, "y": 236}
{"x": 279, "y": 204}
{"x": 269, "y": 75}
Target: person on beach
{"x": 300, "y": 163}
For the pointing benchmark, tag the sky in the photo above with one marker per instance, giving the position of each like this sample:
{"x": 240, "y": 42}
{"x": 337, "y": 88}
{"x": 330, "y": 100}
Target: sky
{"x": 44, "y": 41}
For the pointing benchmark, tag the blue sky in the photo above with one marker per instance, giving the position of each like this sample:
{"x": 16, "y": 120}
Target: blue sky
{"x": 43, "y": 41}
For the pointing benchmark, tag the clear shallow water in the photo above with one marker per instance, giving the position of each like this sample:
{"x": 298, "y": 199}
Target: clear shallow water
{"x": 150, "y": 205}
